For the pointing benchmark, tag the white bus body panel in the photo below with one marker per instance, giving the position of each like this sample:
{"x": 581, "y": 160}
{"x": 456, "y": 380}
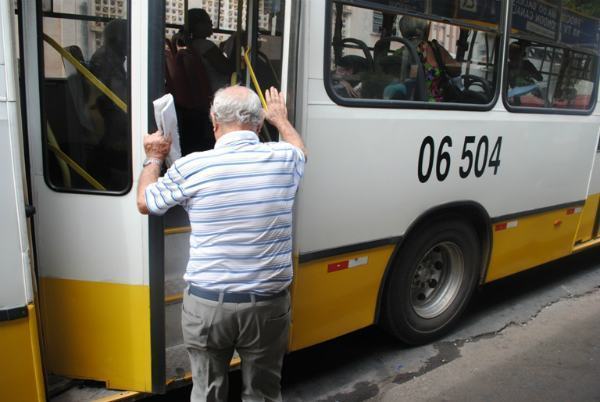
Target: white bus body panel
{"x": 112, "y": 246}
{"x": 361, "y": 180}
{"x": 15, "y": 277}
{"x": 594, "y": 187}
{"x": 96, "y": 238}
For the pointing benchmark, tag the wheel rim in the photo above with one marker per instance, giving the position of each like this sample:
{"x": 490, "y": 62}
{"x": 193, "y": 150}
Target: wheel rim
{"x": 437, "y": 279}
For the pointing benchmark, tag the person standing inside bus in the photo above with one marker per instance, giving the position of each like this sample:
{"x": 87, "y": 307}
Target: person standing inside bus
{"x": 239, "y": 199}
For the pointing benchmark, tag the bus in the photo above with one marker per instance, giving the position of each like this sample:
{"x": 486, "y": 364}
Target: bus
{"x": 452, "y": 143}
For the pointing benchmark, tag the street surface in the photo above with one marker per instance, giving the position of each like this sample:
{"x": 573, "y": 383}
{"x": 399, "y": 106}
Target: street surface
{"x": 531, "y": 337}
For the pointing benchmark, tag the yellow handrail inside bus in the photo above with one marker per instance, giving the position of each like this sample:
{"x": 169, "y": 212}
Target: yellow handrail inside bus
{"x": 64, "y": 168}
{"x": 87, "y": 73}
{"x": 177, "y": 230}
{"x": 53, "y": 145}
{"x": 253, "y": 78}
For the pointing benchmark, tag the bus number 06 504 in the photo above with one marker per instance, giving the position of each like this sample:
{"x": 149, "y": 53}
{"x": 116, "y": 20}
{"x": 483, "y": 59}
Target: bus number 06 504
{"x": 475, "y": 162}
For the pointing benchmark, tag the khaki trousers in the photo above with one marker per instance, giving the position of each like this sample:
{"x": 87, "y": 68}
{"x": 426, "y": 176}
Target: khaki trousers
{"x": 257, "y": 330}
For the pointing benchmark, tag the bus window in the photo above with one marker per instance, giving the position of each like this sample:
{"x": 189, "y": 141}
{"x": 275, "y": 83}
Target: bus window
{"x": 384, "y": 54}
{"x": 85, "y": 94}
{"x": 553, "y": 61}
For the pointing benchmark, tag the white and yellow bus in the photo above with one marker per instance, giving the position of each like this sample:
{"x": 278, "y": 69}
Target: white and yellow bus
{"x": 452, "y": 143}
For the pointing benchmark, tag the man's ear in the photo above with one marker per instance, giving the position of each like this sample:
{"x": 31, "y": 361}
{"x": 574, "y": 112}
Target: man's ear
{"x": 214, "y": 122}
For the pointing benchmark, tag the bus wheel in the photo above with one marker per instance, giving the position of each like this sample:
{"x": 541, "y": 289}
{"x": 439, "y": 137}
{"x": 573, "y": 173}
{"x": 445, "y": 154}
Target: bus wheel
{"x": 432, "y": 280}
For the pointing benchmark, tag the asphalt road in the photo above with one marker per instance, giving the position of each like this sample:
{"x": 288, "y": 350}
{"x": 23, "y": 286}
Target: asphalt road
{"x": 531, "y": 337}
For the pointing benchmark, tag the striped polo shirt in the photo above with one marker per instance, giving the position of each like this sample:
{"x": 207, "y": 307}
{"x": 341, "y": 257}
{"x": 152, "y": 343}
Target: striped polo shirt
{"x": 239, "y": 199}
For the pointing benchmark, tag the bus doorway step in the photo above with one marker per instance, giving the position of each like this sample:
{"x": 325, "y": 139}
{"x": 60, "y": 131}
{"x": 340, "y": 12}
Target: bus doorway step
{"x": 61, "y": 389}
{"x": 585, "y": 245}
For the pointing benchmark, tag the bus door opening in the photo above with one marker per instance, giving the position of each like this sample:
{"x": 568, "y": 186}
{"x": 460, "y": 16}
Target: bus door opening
{"x": 210, "y": 45}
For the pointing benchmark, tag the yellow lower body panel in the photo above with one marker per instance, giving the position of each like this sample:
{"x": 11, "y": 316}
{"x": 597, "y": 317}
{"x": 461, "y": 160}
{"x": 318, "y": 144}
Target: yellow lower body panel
{"x": 98, "y": 331}
{"x": 331, "y": 299}
{"x": 588, "y": 219}
{"x": 21, "y": 377}
{"x": 526, "y": 242}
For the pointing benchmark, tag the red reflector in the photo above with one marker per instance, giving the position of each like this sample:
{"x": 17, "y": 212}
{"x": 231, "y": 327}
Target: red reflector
{"x": 337, "y": 266}
{"x": 501, "y": 226}
{"x": 570, "y": 211}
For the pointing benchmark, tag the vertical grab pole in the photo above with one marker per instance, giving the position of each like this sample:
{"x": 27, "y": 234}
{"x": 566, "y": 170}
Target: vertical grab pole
{"x": 156, "y": 244}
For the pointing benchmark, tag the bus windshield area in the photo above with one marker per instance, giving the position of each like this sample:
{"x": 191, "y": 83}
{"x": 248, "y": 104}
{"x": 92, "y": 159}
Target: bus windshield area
{"x": 385, "y": 55}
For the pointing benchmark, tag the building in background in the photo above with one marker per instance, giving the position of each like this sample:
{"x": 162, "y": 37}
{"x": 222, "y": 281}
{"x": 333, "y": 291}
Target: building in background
{"x": 365, "y": 24}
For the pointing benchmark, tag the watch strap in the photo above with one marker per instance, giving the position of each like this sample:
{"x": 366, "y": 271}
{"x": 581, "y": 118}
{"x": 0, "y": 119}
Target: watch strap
{"x": 149, "y": 161}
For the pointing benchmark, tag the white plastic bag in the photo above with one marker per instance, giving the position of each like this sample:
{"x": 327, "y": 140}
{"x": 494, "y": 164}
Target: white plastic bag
{"x": 166, "y": 121}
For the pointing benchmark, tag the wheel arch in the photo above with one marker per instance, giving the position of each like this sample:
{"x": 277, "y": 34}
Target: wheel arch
{"x": 471, "y": 211}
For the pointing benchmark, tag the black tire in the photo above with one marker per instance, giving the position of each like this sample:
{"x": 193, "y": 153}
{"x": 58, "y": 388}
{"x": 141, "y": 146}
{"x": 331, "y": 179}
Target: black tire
{"x": 427, "y": 291}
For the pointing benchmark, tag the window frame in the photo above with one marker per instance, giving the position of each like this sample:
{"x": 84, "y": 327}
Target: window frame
{"x": 544, "y": 110}
{"x": 403, "y": 104}
{"x": 46, "y": 152}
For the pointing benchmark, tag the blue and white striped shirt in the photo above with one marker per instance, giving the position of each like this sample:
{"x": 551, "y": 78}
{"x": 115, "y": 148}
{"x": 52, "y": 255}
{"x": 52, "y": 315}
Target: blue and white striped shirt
{"x": 239, "y": 199}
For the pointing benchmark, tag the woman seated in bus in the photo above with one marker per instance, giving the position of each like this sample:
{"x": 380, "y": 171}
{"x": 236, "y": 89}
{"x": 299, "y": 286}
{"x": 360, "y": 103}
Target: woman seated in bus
{"x": 441, "y": 70}
{"x": 218, "y": 67}
{"x": 347, "y": 76}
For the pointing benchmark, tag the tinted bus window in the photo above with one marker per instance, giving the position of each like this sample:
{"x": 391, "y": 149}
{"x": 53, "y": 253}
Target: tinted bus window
{"x": 87, "y": 138}
{"x": 553, "y": 54}
{"x": 413, "y": 51}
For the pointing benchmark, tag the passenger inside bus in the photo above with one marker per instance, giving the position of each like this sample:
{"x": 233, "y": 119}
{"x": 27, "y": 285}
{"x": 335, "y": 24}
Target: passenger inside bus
{"x": 441, "y": 70}
{"x": 195, "y": 69}
{"x": 197, "y": 66}
{"x": 218, "y": 67}
{"x": 523, "y": 77}
{"x": 346, "y": 78}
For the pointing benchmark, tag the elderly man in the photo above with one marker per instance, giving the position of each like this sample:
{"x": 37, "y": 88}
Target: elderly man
{"x": 239, "y": 199}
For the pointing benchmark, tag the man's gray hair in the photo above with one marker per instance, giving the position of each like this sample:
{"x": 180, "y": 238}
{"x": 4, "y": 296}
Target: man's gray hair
{"x": 237, "y": 106}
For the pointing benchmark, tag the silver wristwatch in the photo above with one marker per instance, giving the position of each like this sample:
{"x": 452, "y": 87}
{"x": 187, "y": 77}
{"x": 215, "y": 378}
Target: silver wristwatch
{"x": 149, "y": 161}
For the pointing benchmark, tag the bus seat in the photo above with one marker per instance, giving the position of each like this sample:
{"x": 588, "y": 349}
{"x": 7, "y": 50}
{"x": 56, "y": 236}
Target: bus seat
{"x": 358, "y": 64}
{"x": 402, "y": 64}
{"x": 76, "y": 52}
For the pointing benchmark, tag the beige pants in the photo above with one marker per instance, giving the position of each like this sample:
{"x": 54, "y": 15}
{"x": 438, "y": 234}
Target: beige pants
{"x": 259, "y": 333}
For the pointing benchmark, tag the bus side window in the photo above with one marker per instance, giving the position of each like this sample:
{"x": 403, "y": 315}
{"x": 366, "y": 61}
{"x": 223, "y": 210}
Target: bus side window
{"x": 87, "y": 135}
{"x": 400, "y": 57}
{"x": 554, "y": 67}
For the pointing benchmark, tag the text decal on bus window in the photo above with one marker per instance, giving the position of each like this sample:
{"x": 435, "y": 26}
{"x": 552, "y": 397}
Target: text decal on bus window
{"x": 477, "y": 155}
